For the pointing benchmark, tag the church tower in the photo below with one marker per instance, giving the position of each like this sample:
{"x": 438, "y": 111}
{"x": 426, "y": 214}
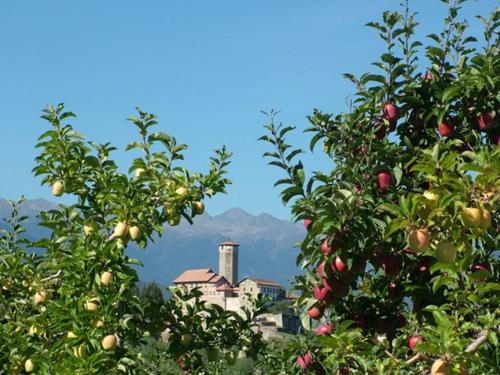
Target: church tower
{"x": 228, "y": 261}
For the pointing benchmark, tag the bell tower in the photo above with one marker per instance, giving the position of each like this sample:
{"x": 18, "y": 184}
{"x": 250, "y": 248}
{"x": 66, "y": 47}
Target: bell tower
{"x": 228, "y": 261}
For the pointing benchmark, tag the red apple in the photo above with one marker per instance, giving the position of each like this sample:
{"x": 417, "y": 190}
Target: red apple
{"x": 321, "y": 292}
{"x": 338, "y": 265}
{"x": 414, "y": 340}
{"x": 495, "y": 137}
{"x": 399, "y": 320}
{"x": 486, "y": 121}
{"x": 445, "y": 128}
{"x": 480, "y": 267}
{"x": 392, "y": 125}
{"x": 307, "y": 223}
{"x": 482, "y": 270}
{"x": 419, "y": 240}
{"x": 325, "y": 248}
{"x": 394, "y": 291}
{"x": 380, "y": 129}
{"x": 321, "y": 269}
{"x": 383, "y": 325}
{"x": 424, "y": 263}
{"x": 324, "y": 329}
{"x": 384, "y": 179}
{"x": 341, "y": 291}
{"x": 390, "y": 265}
{"x": 330, "y": 283}
{"x": 360, "y": 322}
{"x": 304, "y": 361}
{"x": 427, "y": 76}
{"x": 315, "y": 312}
{"x": 361, "y": 265}
{"x": 357, "y": 189}
{"x": 391, "y": 112}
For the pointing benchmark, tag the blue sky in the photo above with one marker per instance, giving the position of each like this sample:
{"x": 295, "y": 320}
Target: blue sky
{"x": 206, "y": 68}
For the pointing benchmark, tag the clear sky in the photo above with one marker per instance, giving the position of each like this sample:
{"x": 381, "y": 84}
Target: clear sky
{"x": 206, "y": 68}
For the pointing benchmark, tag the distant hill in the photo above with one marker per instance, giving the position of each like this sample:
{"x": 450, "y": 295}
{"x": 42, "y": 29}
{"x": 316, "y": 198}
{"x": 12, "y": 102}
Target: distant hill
{"x": 266, "y": 244}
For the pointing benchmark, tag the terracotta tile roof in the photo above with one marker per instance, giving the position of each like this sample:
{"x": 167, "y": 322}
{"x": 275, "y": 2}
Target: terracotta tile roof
{"x": 203, "y": 275}
{"x": 224, "y": 288}
{"x": 263, "y": 282}
{"x": 230, "y": 243}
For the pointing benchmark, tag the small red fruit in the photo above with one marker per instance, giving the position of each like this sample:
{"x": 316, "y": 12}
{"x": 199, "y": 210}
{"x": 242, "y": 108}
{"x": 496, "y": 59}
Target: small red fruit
{"x": 338, "y": 265}
{"x": 360, "y": 322}
{"x": 315, "y": 312}
{"x": 445, "y": 128}
{"x": 486, "y": 121}
{"x": 495, "y": 137}
{"x": 414, "y": 340}
{"x": 427, "y": 76}
{"x": 341, "y": 291}
{"x": 357, "y": 189}
{"x": 321, "y": 292}
{"x": 480, "y": 267}
{"x": 324, "y": 329}
{"x": 325, "y": 248}
{"x": 390, "y": 265}
{"x": 391, "y": 112}
{"x": 304, "y": 361}
{"x": 380, "y": 129}
{"x": 307, "y": 223}
{"x": 321, "y": 269}
{"x": 384, "y": 179}
{"x": 330, "y": 283}
{"x": 424, "y": 264}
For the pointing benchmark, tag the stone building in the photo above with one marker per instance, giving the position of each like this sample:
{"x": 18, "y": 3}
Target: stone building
{"x": 223, "y": 288}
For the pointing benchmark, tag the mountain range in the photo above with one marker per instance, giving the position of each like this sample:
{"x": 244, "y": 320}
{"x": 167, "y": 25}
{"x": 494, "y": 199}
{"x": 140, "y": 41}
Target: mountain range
{"x": 266, "y": 243}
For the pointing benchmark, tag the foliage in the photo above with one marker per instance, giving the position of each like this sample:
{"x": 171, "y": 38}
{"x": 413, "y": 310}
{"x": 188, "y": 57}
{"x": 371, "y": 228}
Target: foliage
{"x": 70, "y": 307}
{"x": 403, "y": 232}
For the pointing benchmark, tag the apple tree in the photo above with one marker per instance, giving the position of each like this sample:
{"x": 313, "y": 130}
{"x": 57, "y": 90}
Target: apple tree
{"x": 401, "y": 252}
{"x": 67, "y": 301}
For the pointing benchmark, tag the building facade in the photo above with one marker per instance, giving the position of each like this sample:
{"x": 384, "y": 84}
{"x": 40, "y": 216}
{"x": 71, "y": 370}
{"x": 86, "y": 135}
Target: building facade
{"x": 223, "y": 288}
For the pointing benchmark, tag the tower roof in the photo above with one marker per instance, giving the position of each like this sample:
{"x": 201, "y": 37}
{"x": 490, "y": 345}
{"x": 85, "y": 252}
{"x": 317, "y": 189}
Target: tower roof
{"x": 229, "y": 243}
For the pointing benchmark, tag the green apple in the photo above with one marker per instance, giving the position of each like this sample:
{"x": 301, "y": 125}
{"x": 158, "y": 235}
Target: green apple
{"x": 186, "y": 339}
{"x": 446, "y": 252}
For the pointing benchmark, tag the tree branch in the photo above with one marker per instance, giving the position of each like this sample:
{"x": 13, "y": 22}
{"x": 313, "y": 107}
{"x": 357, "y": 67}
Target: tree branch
{"x": 477, "y": 342}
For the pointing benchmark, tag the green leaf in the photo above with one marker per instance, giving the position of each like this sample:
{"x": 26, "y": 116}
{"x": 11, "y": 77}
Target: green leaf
{"x": 395, "y": 225}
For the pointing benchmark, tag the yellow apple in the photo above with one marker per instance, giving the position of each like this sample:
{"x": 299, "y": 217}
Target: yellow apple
{"x": 40, "y": 297}
{"x": 431, "y": 196}
{"x": 33, "y": 330}
{"x": 90, "y": 228}
{"x": 139, "y": 172}
{"x": 121, "y": 229}
{"x": 98, "y": 323}
{"x": 106, "y": 278}
{"x": 92, "y": 304}
{"x": 440, "y": 367}
{"x": 182, "y": 191}
{"x": 71, "y": 335}
{"x": 485, "y": 220}
{"x": 57, "y": 188}
{"x": 134, "y": 232}
{"x": 109, "y": 342}
{"x": 29, "y": 366}
{"x": 80, "y": 351}
{"x": 419, "y": 240}
{"x": 471, "y": 217}
{"x": 198, "y": 208}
